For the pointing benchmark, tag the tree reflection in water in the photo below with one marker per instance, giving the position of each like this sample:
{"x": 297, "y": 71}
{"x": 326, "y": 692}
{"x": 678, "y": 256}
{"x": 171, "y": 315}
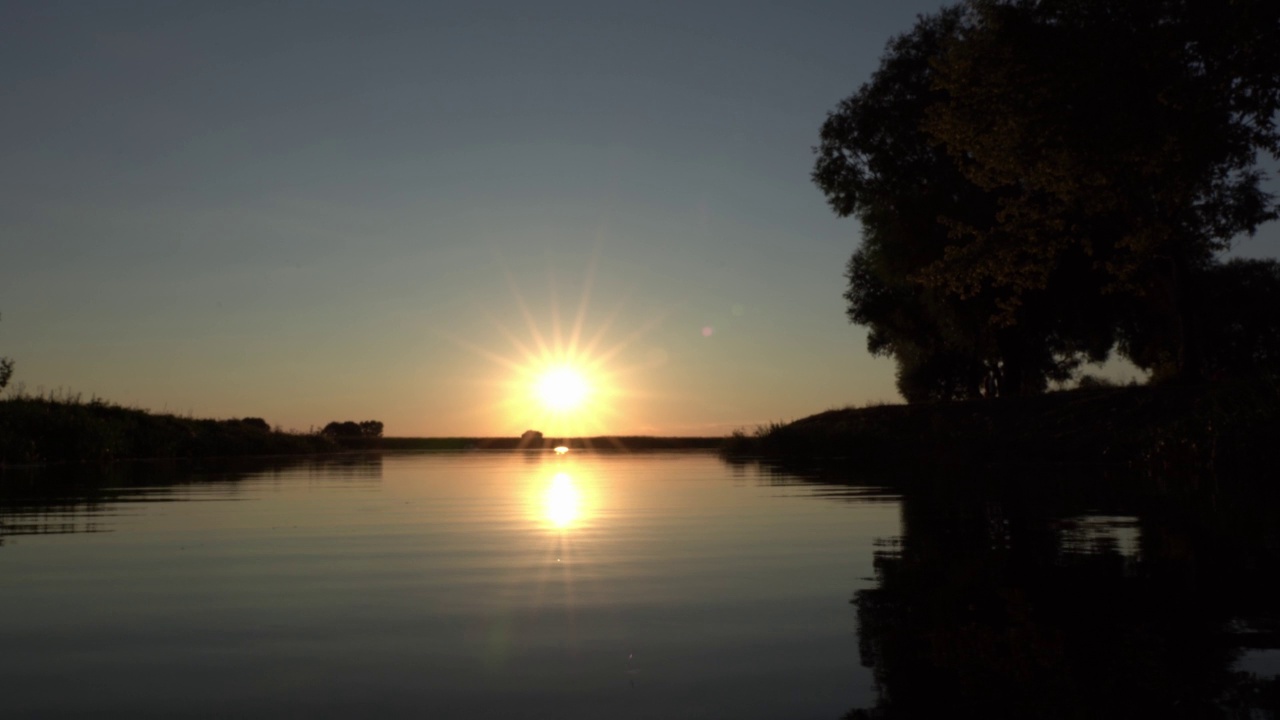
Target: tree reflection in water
{"x": 1002, "y": 606}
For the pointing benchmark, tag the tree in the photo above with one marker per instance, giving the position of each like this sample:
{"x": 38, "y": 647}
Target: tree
{"x": 877, "y": 162}
{"x": 6, "y": 371}
{"x": 1239, "y": 325}
{"x": 352, "y": 429}
{"x": 1128, "y": 133}
{"x": 1037, "y": 179}
{"x": 347, "y": 429}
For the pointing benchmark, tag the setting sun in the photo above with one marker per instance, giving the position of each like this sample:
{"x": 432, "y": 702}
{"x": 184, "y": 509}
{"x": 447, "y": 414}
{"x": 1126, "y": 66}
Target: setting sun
{"x": 564, "y": 377}
{"x": 562, "y": 389}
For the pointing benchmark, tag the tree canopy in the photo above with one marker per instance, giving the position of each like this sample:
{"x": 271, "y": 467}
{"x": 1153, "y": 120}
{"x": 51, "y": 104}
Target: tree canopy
{"x": 1037, "y": 178}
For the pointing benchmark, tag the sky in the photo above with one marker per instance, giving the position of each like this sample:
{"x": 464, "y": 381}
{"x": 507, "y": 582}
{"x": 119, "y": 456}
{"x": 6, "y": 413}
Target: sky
{"x": 411, "y": 211}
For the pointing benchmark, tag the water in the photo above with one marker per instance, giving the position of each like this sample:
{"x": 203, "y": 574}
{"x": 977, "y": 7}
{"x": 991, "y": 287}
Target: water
{"x": 474, "y": 585}
{"x": 609, "y": 585}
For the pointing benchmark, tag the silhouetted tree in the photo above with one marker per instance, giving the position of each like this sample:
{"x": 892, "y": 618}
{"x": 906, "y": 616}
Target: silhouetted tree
{"x": 256, "y": 424}
{"x": 1237, "y": 322}
{"x": 1127, "y": 133}
{"x": 347, "y": 429}
{"x": 1241, "y": 317}
{"x": 352, "y": 429}
{"x": 876, "y": 162}
{"x": 1035, "y": 176}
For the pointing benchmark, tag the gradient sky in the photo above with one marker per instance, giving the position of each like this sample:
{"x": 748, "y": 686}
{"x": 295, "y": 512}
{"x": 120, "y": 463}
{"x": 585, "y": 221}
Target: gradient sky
{"x": 310, "y": 211}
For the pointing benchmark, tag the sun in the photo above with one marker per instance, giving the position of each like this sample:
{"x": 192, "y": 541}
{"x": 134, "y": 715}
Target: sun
{"x": 562, "y": 389}
{"x": 564, "y": 375}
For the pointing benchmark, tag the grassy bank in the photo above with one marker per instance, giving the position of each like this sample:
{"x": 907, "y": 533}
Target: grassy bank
{"x": 1221, "y": 426}
{"x": 43, "y": 429}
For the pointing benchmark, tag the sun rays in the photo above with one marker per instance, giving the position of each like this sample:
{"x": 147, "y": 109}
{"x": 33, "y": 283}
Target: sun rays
{"x": 563, "y": 376}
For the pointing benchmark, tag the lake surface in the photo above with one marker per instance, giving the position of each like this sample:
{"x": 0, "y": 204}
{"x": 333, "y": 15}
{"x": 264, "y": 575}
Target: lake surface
{"x": 594, "y": 585}
{"x": 470, "y": 585}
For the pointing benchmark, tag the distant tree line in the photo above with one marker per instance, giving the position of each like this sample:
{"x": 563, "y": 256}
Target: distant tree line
{"x": 350, "y": 429}
{"x": 1042, "y": 183}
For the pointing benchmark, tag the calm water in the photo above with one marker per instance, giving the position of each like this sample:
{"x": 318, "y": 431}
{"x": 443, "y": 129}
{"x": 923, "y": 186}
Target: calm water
{"x": 607, "y": 585}
{"x": 480, "y": 585}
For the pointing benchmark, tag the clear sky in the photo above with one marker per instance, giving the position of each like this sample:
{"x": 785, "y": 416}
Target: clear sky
{"x": 311, "y": 211}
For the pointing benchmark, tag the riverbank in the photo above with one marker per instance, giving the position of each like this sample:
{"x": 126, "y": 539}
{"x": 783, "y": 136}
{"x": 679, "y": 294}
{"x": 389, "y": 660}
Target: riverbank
{"x": 42, "y": 430}
{"x": 1225, "y": 426}
{"x": 37, "y": 430}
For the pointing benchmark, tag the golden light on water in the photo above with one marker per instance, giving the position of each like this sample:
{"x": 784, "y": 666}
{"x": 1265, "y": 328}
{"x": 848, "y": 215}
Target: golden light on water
{"x": 562, "y": 502}
{"x": 561, "y": 495}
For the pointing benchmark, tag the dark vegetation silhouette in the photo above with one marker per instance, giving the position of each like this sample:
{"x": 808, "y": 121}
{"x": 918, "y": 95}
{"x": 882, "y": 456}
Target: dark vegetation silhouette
{"x": 1043, "y": 183}
{"x": 66, "y": 428}
{"x": 1227, "y": 429}
{"x": 349, "y": 429}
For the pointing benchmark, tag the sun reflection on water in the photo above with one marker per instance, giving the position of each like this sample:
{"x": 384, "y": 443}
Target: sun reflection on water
{"x": 562, "y": 502}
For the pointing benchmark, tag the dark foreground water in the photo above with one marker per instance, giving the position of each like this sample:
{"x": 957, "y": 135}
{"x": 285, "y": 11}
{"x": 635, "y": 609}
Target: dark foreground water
{"x": 513, "y": 585}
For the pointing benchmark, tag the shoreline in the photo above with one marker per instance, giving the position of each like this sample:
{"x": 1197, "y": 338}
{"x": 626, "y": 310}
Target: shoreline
{"x": 37, "y": 432}
{"x": 1227, "y": 427}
